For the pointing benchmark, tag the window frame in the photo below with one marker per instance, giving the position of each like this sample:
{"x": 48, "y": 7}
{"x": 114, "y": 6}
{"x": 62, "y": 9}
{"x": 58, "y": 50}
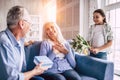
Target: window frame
{"x": 107, "y": 8}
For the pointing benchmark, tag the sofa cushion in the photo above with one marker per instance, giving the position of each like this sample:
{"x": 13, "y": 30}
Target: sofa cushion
{"x": 89, "y": 67}
{"x": 83, "y": 77}
{"x": 31, "y": 51}
{"x": 94, "y": 67}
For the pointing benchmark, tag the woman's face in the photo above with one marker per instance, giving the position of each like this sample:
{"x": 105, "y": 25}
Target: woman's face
{"x": 50, "y": 31}
{"x": 98, "y": 18}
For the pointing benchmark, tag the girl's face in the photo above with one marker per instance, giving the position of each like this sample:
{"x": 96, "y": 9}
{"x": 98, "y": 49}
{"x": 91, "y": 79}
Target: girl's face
{"x": 98, "y": 18}
{"x": 50, "y": 31}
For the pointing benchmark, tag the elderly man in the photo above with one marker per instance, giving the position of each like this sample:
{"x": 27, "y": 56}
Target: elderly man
{"x": 12, "y": 57}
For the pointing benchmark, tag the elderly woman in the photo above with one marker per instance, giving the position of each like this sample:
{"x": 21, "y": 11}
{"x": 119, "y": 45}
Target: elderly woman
{"x": 56, "y": 48}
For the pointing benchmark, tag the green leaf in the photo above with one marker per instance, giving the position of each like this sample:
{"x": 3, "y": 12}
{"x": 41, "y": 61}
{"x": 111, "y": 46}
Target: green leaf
{"x": 79, "y": 44}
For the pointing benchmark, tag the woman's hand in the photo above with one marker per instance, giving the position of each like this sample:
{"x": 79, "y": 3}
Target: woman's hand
{"x": 60, "y": 48}
{"x": 28, "y": 43}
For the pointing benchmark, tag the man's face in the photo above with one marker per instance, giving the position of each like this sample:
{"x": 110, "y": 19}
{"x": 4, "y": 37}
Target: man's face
{"x": 26, "y": 27}
{"x": 27, "y": 23}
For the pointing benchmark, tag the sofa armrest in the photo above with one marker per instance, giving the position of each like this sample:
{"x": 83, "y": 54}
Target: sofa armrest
{"x": 93, "y": 67}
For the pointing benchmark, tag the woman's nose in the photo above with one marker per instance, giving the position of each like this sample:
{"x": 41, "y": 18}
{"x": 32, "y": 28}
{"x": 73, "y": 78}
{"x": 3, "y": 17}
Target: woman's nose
{"x": 50, "y": 30}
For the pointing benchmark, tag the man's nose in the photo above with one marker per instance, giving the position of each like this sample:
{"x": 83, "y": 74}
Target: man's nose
{"x": 30, "y": 29}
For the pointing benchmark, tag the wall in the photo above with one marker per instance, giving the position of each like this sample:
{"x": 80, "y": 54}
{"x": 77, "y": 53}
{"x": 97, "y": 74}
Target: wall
{"x": 72, "y": 15}
{"x": 37, "y": 10}
{"x": 93, "y": 5}
{"x": 49, "y": 10}
{"x": 34, "y": 8}
{"x": 68, "y": 17}
{"x": 84, "y": 14}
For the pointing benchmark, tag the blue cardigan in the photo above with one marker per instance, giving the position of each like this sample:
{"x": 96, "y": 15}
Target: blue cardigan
{"x": 59, "y": 65}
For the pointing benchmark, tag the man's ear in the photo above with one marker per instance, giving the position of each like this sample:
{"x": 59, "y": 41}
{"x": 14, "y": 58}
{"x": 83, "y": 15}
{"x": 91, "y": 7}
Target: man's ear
{"x": 21, "y": 24}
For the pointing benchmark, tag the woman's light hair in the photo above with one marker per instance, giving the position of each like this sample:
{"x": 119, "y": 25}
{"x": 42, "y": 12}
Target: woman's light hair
{"x": 60, "y": 37}
{"x": 15, "y": 14}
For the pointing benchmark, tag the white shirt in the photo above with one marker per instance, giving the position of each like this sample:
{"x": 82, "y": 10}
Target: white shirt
{"x": 21, "y": 56}
{"x": 98, "y": 36}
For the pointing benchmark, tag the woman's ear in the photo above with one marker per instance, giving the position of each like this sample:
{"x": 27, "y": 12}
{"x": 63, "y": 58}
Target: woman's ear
{"x": 21, "y": 24}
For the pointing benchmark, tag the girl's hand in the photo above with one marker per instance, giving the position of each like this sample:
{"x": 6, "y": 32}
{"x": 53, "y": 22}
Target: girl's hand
{"x": 94, "y": 50}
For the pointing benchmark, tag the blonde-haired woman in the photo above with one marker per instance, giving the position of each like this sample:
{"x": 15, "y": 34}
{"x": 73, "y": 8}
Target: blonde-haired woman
{"x": 56, "y": 48}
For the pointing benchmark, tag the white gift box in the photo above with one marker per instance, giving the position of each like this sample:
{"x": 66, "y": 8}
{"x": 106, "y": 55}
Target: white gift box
{"x": 46, "y": 62}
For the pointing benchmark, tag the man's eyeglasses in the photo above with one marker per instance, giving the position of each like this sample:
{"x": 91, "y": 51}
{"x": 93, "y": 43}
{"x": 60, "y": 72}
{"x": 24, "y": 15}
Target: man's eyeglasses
{"x": 28, "y": 22}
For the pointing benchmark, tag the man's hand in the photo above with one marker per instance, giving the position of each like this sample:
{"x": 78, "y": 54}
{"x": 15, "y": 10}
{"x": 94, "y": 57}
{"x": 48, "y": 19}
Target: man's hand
{"x": 36, "y": 71}
{"x": 39, "y": 69}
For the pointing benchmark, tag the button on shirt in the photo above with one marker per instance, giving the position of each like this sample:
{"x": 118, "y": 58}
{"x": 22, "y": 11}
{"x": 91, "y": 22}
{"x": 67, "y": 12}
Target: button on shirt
{"x": 12, "y": 57}
{"x": 21, "y": 55}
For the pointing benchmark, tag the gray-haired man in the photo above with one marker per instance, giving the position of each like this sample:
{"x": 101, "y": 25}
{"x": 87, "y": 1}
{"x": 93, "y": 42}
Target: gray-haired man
{"x": 12, "y": 57}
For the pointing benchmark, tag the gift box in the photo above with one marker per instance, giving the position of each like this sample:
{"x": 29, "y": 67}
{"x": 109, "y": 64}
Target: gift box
{"x": 46, "y": 62}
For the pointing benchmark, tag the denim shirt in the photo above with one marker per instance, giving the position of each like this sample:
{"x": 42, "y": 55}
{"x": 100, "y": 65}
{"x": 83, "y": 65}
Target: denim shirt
{"x": 107, "y": 33}
{"x": 10, "y": 57}
{"x": 59, "y": 65}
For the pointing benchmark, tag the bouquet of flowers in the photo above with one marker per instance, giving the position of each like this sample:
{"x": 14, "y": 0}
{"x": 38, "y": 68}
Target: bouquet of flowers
{"x": 80, "y": 45}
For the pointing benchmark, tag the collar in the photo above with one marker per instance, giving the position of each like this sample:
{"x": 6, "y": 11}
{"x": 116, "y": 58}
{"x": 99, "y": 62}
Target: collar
{"x": 12, "y": 37}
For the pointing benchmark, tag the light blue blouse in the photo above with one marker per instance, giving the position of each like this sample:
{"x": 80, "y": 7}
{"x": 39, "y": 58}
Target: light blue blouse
{"x": 59, "y": 65}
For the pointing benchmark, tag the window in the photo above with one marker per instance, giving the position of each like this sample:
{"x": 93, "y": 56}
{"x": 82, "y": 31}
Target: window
{"x": 112, "y": 8}
{"x": 108, "y": 2}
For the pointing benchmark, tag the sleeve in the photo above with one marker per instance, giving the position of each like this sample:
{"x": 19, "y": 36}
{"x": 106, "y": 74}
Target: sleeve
{"x": 8, "y": 68}
{"x": 109, "y": 33}
{"x": 43, "y": 49}
{"x": 46, "y": 50}
{"x": 71, "y": 56}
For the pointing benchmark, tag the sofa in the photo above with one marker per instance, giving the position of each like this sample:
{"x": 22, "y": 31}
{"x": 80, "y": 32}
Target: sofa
{"x": 89, "y": 68}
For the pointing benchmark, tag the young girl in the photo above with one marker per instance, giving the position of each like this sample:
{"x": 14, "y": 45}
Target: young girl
{"x": 100, "y": 35}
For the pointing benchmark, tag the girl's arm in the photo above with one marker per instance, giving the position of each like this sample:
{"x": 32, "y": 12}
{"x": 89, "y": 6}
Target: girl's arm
{"x": 108, "y": 44}
{"x": 96, "y": 50}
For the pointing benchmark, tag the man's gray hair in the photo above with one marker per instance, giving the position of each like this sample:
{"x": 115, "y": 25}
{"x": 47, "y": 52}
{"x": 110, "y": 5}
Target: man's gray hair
{"x": 14, "y": 15}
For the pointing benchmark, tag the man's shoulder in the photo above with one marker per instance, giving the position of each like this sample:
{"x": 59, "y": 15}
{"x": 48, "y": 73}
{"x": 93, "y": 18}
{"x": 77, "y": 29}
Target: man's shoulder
{"x": 3, "y": 37}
